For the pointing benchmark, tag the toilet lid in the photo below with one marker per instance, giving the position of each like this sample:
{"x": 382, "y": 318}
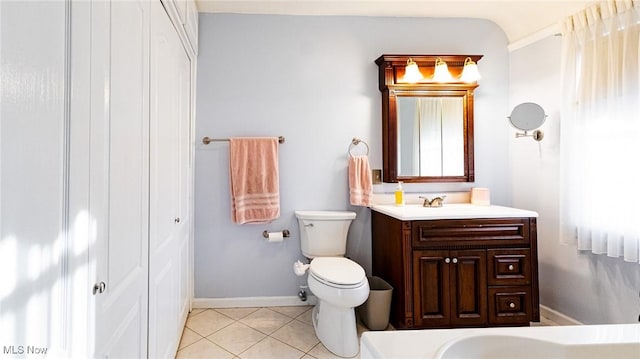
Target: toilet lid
{"x": 337, "y": 270}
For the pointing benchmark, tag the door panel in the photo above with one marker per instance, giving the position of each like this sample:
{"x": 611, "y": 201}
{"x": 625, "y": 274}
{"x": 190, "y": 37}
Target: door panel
{"x": 183, "y": 280}
{"x": 431, "y": 288}
{"x": 119, "y": 175}
{"x": 468, "y": 273}
{"x": 163, "y": 311}
{"x": 169, "y": 167}
{"x": 183, "y": 96}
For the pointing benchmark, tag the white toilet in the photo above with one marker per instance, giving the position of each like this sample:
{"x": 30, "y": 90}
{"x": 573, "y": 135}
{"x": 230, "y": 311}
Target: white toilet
{"x": 340, "y": 284}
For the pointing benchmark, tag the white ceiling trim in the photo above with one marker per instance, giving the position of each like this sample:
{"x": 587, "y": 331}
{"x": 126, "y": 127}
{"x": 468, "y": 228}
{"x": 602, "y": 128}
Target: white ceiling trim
{"x": 519, "y": 19}
{"x": 553, "y": 30}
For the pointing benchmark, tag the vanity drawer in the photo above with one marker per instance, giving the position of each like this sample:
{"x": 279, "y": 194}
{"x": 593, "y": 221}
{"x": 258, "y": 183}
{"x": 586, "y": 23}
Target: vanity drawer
{"x": 509, "y": 266}
{"x": 510, "y": 305}
{"x": 489, "y": 232}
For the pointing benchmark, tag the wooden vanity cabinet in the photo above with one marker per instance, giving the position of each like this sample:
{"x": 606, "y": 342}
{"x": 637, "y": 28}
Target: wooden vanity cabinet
{"x": 452, "y": 273}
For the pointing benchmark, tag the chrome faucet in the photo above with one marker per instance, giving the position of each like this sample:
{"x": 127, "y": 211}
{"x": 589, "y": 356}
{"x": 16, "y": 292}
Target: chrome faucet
{"x": 436, "y": 202}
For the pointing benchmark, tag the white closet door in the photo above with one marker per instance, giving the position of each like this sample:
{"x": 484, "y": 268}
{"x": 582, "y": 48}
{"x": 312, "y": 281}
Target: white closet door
{"x": 119, "y": 170}
{"x": 36, "y": 275}
{"x": 169, "y": 217}
{"x": 183, "y": 97}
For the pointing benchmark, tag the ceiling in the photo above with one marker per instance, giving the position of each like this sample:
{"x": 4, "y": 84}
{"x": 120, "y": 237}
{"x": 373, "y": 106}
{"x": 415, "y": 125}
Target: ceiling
{"x": 518, "y": 18}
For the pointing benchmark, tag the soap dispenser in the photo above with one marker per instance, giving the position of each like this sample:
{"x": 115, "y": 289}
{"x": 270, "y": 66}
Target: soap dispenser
{"x": 399, "y": 195}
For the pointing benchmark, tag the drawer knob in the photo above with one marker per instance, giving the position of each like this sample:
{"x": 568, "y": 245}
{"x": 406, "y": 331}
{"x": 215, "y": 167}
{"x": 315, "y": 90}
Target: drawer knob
{"x": 455, "y": 260}
{"x": 447, "y": 260}
{"x": 512, "y": 305}
{"x": 510, "y": 266}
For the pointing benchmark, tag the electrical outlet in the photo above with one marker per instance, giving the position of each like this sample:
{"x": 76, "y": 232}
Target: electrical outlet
{"x": 376, "y": 176}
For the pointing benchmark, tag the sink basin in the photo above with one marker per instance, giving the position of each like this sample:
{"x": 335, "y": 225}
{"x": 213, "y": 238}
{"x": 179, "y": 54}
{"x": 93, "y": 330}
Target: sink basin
{"x": 450, "y": 211}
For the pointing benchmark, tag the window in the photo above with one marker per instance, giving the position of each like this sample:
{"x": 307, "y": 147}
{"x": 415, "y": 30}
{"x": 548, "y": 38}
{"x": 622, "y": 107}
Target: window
{"x": 600, "y": 130}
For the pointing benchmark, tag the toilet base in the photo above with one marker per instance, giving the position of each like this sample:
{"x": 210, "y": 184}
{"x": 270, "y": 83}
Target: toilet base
{"x": 336, "y": 328}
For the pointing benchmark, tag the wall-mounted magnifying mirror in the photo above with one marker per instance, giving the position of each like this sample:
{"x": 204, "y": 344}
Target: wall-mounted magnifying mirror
{"x": 528, "y": 116}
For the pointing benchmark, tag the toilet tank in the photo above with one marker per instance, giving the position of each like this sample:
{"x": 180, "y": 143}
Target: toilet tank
{"x": 324, "y": 233}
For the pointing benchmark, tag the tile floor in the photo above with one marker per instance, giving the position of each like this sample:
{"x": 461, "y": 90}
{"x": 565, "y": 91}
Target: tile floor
{"x": 264, "y": 333}
{"x": 273, "y": 332}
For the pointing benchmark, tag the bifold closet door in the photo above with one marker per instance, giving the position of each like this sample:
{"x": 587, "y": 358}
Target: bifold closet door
{"x": 169, "y": 166}
{"x": 36, "y": 274}
{"x": 119, "y": 177}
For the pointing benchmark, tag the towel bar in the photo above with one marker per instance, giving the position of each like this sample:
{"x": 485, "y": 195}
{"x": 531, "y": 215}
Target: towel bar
{"x": 208, "y": 140}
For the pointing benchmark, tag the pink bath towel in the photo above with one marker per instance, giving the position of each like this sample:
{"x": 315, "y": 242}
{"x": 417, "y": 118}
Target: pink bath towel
{"x": 360, "y": 186}
{"x": 255, "y": 194}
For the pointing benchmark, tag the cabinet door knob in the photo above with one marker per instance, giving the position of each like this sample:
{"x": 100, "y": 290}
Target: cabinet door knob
{"x": 510, "y": 266}
{"x": 512, "y": 305}
{"x": 177, "y": 220}
{"x": 447, "y": 260}
{"x": 455, "y": 260}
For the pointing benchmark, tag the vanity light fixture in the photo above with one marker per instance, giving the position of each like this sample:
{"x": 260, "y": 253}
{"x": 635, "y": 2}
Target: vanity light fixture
{"x": 470, "y": 71}
{"x": 412, "y": 73}
{"x": 441, "y": 72}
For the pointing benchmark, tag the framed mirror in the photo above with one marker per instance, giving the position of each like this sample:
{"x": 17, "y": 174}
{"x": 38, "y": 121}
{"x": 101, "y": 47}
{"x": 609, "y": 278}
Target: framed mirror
{"x": 430, "y": 135}
{"x": 427, "y": 126}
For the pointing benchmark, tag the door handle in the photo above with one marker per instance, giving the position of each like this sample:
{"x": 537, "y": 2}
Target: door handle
{"x": 99, "y": 288}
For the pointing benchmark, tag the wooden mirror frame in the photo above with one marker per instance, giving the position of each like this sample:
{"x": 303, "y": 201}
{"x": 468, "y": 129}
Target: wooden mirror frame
{"x": 391, "y": 83}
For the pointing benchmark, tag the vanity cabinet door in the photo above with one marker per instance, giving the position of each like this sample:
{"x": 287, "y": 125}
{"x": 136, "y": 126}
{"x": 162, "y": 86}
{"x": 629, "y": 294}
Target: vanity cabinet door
{"x": 469, "y": 287}
{"x": 431, "y": 288}
{"x": 450, "y": 288}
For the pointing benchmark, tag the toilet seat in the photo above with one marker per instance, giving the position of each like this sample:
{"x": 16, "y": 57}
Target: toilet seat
{"x": 337, "y": 272}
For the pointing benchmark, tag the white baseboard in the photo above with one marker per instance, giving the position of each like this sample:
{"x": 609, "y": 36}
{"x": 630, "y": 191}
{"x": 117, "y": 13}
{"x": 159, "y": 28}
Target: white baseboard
{"x": 253, "y": 302}
{"x": 557, "y": 317}
{"x": 291, "y": 301}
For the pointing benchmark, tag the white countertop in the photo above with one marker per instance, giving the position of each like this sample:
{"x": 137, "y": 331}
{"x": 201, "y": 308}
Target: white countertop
{"x": 428, "y": 343}
{"x": 411, "y": 212}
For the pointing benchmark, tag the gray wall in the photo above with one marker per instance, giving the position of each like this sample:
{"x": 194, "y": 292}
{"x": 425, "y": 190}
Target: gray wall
{"x": 314, "y": 81}
{"x": 590, "y": 288}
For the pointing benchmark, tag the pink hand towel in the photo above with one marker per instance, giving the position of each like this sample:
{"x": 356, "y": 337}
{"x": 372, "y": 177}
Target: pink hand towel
{"x": 255, "y": 194}
{"x": 360, "y": 186}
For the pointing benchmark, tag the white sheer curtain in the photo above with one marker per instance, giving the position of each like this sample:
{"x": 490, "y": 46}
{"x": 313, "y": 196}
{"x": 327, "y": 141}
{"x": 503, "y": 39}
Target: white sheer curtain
{"x": 430, "y": 124}
{"x": 452, "y": 137}
{"x": 441, "y": 144}
{"x": 600, "y": 130}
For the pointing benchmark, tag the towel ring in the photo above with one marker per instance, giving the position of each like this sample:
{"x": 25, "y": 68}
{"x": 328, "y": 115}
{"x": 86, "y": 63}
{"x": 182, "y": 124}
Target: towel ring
{"x": 355, "y": 142}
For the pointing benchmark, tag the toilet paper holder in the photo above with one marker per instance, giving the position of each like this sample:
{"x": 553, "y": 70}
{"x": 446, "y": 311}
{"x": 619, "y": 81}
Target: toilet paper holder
{"x": 285, "y": 233}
